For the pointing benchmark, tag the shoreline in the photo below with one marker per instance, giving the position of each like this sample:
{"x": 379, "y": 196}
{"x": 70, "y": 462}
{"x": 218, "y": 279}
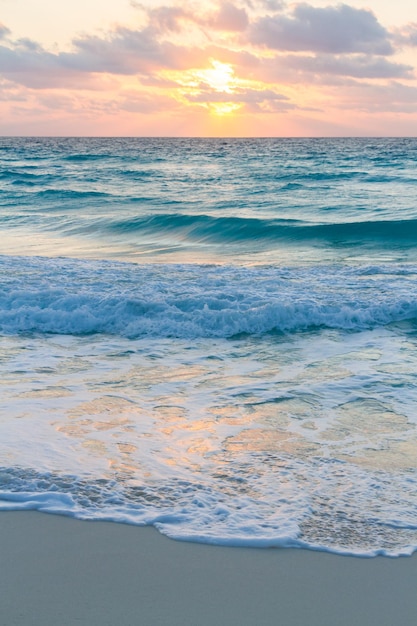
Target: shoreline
{"x": 59, "y": 570}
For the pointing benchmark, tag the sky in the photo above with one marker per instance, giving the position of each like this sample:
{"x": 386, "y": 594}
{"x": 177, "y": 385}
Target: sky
{"x": 215, "y": 68}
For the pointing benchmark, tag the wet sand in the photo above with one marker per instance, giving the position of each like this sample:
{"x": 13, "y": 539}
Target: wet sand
{"x": 60, "y": 571}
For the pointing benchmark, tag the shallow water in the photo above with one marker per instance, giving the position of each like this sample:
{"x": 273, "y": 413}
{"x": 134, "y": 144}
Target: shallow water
{"x": 215, "y": 337}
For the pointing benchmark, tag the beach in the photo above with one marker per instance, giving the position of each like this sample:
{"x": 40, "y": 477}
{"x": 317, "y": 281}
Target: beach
{"x": 58, "y": 570}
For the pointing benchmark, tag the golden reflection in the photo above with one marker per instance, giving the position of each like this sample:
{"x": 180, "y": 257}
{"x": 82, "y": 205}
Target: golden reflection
{"x": 200, "y": 446}
{"x": 280, "y": 413}
{"x": 110, "y": 424}
{"x": 188, "y": 436}
{"x": 276, "y": 414}
{"x": 160, "y": 374}
{"x": 82, "y": 427}
{"x": 122, "y": 468}
{"x": 262, "y": 440}
{"x": 125, "y": 465}
{"x": 126, "y": 448}
{"x": 399, "y": 456}
{"x": 170, "y": 418}
{"x": 170, "y": 413}
{"x": 323, "y": 371}
{"x": 235, "y": 415}
{"x": 367, "y": 418}
{"x": 101, "y": 414}
{"x": 48, "y": 392}
{"x": 98, "y": 447}
{"x": 174, "y": 459}
{"x": 182, "y": 425}
{"x": 104, "y": 405}
{"x": 373, "y": 429}
{"x": 75, "y": 429}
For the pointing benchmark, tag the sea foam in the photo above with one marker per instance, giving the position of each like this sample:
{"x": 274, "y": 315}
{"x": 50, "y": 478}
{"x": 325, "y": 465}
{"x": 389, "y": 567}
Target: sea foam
{"x": 197, "y": 301}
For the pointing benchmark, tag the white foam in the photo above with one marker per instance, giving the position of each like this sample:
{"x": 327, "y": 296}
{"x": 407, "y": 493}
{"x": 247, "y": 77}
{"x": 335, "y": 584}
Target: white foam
{"x": 303, "y": 440}
{"x": 69, "y": 297}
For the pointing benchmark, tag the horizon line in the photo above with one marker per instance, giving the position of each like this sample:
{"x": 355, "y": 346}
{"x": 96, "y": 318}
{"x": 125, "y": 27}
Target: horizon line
{"x": 199, "y": 137}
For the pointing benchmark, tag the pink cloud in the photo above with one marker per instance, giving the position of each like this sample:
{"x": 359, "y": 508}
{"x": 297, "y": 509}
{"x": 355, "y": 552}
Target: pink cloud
{"x": 228, "y": 17}
{"x": 407, "y": 35}
{"x": 4, "y": 31}
{"x": 332, "y": 29}
{"x": 295, "y": 68}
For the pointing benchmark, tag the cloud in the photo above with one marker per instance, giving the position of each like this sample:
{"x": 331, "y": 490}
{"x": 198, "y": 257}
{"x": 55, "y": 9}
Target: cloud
{"x": 407, "y": 35}
{"x": 355, "y": 66}
{"x": 126, "y": 51}
{"x": 371, "y": 99}
{"x": 271, "y": 5}
{"x": 264, "y": 5}
{"x": 230, "y": 18}
{"x": 167, "y": 18}
{"x": 9, "y": 92}
{"x": 246, "y": 100}
{"x": 330, "y": 32}
{"x": 28, "y": 64}
{"x": 122, "y": 52}
{"x": 238, "y": 96}
{"x": 146, "y": 103}
{"x": 175, "y": 18}
{"x": 4, "y": 31}
{"x": 336, "y": 30}
{"x": 239, "y": 58}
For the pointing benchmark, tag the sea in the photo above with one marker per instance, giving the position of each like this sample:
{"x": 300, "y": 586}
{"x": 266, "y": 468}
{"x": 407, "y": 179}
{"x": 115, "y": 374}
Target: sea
{"x": 214, "y": 337}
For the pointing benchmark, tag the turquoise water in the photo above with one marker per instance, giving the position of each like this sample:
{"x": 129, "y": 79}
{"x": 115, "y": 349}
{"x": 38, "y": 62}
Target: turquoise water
{"x": 214, "y": 337}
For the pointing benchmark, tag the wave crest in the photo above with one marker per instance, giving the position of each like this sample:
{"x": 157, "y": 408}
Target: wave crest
{"x": 235, "y": 229}
{"x": 198, "y": 301}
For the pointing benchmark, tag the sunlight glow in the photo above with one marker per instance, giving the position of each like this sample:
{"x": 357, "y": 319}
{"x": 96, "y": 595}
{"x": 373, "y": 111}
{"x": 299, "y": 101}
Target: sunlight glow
{"x": 224, "y": 108}
{"x": 209, "y": 87}
{"x": 146, "y": 67}
{"x": 219, "y": 77}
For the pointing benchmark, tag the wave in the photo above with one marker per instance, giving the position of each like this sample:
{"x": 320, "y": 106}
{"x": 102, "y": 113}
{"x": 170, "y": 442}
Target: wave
{"x": 79, "y": 298}
{"x": 21, "y": 173}
{"x": 233, "y": 507}
{"x": 71, "y": 193}
{"x": 234, "y": 229}
{"x": 87, "y": 157}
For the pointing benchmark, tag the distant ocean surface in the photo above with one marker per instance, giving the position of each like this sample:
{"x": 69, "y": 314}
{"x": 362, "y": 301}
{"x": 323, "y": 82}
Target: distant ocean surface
{"x": 216, "y": 337}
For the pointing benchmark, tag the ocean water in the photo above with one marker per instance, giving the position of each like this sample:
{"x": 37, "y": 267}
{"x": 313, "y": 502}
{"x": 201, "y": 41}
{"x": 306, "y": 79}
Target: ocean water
{"x": 215, "y": 337}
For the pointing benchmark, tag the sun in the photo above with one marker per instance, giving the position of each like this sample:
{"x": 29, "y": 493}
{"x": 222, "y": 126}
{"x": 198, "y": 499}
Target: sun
{"x": 220, "y": 79}
{"x": 220, "y": 76}
{"x": 215, "y": 87}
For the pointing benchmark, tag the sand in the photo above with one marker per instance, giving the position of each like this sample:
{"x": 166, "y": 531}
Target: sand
{"x": 59, "y": 571}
